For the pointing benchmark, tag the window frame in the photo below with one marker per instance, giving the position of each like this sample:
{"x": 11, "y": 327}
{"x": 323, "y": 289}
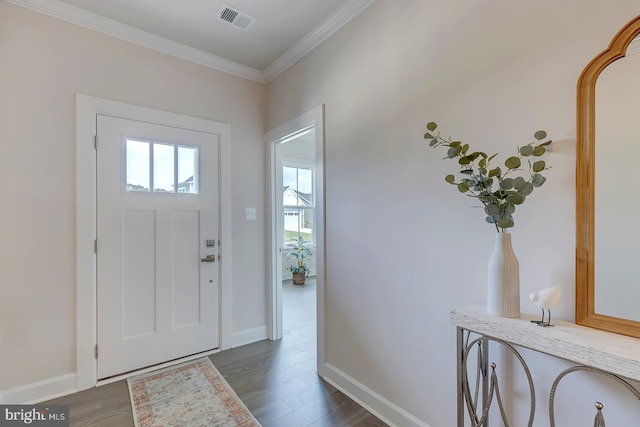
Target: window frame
{"x": 308, "y": 165}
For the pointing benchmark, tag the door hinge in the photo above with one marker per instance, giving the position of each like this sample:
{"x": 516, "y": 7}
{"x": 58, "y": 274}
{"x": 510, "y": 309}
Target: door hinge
{"x": 95, "y": 246}
{"x": 95, "y": 142}
{"x": 96, "y": 351}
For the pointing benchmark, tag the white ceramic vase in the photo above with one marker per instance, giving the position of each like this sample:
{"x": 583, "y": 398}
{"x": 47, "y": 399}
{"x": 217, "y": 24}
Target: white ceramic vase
{"x": 503, "y": 293}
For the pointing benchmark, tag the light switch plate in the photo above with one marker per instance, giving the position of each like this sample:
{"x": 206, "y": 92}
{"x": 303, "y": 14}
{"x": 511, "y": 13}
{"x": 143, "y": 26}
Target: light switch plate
{"x": 250, "y": 214}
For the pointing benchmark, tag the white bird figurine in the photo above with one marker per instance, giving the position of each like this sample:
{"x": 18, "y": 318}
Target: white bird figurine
{"x": 546, "y": 299}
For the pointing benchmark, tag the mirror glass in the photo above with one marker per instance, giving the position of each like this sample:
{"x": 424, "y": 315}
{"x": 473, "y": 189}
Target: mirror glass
{"x": 608, "y": 146}
{"x": 617, "y": 205}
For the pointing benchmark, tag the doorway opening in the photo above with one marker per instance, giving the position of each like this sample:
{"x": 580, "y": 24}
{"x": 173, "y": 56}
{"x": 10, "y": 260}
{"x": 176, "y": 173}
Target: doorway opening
{"x": 296, "y": 171}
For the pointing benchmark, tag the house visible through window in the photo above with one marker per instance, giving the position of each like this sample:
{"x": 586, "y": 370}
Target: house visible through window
{"x": 165, "y": 168}
{"x": 299, "y": 203}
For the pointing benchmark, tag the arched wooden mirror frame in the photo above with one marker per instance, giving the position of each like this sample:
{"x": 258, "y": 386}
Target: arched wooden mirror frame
{"x": 585, "y": 176}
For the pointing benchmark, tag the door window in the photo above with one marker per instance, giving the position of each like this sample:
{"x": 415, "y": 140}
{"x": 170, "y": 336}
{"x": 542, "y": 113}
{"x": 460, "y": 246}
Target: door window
{"x": 165, "y": 168}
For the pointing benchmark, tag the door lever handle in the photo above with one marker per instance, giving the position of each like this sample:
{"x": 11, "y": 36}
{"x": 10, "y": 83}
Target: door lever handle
{"x": 208, "y": 258}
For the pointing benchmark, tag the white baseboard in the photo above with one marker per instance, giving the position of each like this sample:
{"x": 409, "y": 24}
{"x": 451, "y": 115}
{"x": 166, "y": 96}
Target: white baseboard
{"x": 249, "y": 336}
{"x": 369, "y": 399}
{"x": 40, "y": 391}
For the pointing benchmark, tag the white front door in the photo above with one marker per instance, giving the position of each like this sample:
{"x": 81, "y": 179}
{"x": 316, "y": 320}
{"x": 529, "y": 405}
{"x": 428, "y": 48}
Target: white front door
{"x": 157, "y": 244}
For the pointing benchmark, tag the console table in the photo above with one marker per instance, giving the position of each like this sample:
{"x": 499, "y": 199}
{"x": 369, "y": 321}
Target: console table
{"x": 612, "y": 355}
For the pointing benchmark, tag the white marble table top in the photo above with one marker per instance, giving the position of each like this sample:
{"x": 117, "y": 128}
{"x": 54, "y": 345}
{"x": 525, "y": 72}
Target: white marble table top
{"x": 610, "y": 352}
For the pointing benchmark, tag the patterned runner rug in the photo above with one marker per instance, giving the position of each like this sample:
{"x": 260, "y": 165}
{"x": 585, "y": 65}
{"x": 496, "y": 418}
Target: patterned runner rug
{"x": 191, "y": 394}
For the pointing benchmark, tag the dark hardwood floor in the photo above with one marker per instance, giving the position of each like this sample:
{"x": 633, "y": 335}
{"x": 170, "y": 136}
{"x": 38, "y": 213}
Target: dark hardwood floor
{"x": 276, "y": 380}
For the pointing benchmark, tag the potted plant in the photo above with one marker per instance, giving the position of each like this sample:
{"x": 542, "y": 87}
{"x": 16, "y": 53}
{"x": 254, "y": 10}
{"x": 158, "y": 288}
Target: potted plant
{"x": 299, "y": 251}
{"x": 498, "y": 192}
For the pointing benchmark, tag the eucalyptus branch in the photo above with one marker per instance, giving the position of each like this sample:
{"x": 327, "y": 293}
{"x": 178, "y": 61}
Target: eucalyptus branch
{"x": 478, "y": 178}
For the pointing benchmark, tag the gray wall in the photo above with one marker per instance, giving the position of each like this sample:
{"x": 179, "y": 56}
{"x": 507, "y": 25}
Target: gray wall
{"x": 491, "y": 73}
{"x": 44, "y": 63}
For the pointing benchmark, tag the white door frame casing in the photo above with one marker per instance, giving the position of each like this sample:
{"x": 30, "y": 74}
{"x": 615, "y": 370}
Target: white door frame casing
{"x": 87, "y": 109}
{"x": 315, "y": 118}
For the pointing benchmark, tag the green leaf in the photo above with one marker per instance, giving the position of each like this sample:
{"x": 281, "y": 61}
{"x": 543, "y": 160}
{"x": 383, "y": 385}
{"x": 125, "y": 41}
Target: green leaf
{"x": 506, "y": 223}
{"x": 538, "y": 166}
{"x": 506, "y": 184}
{"x": 509, "y": 208}
{"x": 516, "y": 199}
{"x": 473, "y": 156}
{"x": 433, "y": 142}
{"x": 464, "y": 160}
{"x": 428, "y": 136}
{"x": 456, "y": 144}
{"x": 526, "y": 190}
{"x": 492, "y": 209}
{"x": 526, "y": 151}
{"x": 540, "y": 135}
{"x": 494, "y": 172}
{"x": 539, "y": 150}
{"x": 544, "y": 144}
{"x": 450, "y": 179}
{"x": 518, "y": 183}
{"x": 462, "y": 187}
{"x": 537, "y": 180}
{"x": 491, "y": 158}
{"x": 512, "y": 162}
{"x": 465, "y": 148}
{"x": 432, "y": 126}
{"x": 482, "y": 163}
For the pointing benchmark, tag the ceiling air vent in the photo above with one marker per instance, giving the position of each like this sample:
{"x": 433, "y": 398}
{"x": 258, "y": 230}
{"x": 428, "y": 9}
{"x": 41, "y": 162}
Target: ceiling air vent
{"x": 235, "y": 17}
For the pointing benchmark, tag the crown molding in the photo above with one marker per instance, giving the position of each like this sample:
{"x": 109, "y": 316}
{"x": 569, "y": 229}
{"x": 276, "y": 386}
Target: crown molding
{"x": 127, "y": 33}
{"x": 349, "y": 10}
{"x": 74, "y": 15}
